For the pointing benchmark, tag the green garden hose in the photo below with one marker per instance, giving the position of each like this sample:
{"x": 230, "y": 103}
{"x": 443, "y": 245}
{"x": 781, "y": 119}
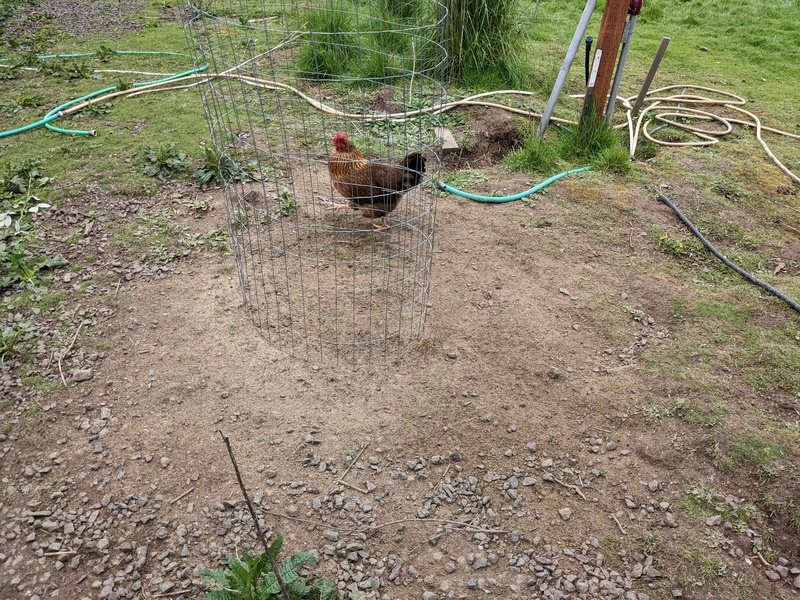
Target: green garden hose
{"x": 57, "y": 112}
{"x": 499, "y": 199}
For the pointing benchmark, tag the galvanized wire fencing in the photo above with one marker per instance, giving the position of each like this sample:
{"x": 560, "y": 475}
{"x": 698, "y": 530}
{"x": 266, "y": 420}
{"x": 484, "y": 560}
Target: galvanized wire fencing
{"x": 284, "y": 78}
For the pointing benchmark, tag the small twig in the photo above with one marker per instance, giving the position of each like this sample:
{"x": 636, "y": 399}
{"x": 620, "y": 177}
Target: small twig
{"x": 763, "y": 560}
{"x": 60, "y": 372}
{"x": 119, "y": 283}
{"x": 616, "y": 520}
{"x": 620, "y": 368}
{"x": 355, "y": 487}
{"x": 261, "y": 534}
{"x": 790, "y": 227}
{"x": 787, "y": 206}
{"x": 65, "y": 352}
{"x": 167, "y": 595}
{"x": 446, "y": 471}
{"x": 570, "y": 487}
{"x": 298, "y": 519}
{"x": 350, "y": 466}
{"x": 64, "y": 553}
{"x": 435, "y": 520}
{"x": 186, "y": 493}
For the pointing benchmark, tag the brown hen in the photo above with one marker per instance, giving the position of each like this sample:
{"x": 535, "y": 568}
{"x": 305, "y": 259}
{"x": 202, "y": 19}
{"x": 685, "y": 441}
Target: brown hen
{"x": 373, "y": 187}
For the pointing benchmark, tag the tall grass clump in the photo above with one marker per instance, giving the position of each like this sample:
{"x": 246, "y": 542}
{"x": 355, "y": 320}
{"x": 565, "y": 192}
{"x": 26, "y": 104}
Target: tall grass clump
{"x": 484, "y": 42}
{"x": 592, "y": 142}
{"x": 401, "y": 10}
{"x": 331, "y": 46}
{"x": 535, "y": 156}
{"x": 590, "y": 137}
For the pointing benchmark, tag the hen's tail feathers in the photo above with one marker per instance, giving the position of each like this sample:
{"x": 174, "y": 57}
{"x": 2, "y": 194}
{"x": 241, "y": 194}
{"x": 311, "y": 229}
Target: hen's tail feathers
{"x": 415, "y": 167}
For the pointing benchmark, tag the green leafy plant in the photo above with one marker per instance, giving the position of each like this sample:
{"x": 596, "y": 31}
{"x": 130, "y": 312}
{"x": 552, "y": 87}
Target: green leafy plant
{"x": 8, "y": 339}
{"x": 12, "y": 72}
{"x": 217, "y": 170}
{"x": 33, "y": 101}
{"x": 19, "y": 263}
{"x": 163, "y": 160}
{"x": 251, "y": 578}
{"x": 104, "y": 53}
{"x": 287, "y": 203}
{"x": 74, "y": 69}
{"x": 97, "y": 109}
{"x": 216, "y": 239}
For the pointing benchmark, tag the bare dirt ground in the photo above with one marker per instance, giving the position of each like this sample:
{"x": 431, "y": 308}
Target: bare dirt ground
{"x": 497, "y": 459}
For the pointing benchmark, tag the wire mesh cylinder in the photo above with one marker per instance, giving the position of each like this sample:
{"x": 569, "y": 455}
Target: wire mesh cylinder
{"x": 286, "y": 76}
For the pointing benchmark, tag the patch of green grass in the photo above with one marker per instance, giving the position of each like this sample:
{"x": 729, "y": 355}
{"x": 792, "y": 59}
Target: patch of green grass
{"x": 754, "y": 450}
{"x": 589, "y": 139}
{"x": 592, "y": 142}
{"x": 535, "y": 156}
{"x": 794, "y": 519}
{"x": 129, "y": 126}
{"x": 611, "y": 546}
{"x": 613, "y": 159}
{"x": 650, "y": 544}
{"x": 6, "y": 428}
{"x": 770, "y": 361}
{"x": 702, "y": 502}
{"x": 710, "y": 567}
{"x": 693, "y": 413}
{"x": 729, "y": 312}
{"x": 152, "y": 238}
{"x": 33, "y": 412}
{"x": 331, "y": 43}
{"x": 42, "y": 385}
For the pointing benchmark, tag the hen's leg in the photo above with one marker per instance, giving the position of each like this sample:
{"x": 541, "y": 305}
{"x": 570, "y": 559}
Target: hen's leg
{"x": 380, "y": 224}
{"x": 331, "y": 205}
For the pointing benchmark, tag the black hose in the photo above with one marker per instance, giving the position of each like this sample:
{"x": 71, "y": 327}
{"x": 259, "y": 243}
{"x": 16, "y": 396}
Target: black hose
{"x": 719, "y": 255}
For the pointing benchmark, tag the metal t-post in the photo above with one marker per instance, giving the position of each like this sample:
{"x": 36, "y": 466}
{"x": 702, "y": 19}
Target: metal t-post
{"x": 565, "y": 67}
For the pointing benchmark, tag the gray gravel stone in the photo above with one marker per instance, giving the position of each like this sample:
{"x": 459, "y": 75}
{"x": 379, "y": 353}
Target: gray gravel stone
{"x": 81, "y": 375}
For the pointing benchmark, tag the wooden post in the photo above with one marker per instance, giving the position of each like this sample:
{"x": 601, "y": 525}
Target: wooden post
{"x": 608, "y": 41}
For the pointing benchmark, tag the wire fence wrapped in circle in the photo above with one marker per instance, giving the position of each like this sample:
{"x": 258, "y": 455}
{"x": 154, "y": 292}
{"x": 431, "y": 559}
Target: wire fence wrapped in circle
{"x": 288, "y": 76}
